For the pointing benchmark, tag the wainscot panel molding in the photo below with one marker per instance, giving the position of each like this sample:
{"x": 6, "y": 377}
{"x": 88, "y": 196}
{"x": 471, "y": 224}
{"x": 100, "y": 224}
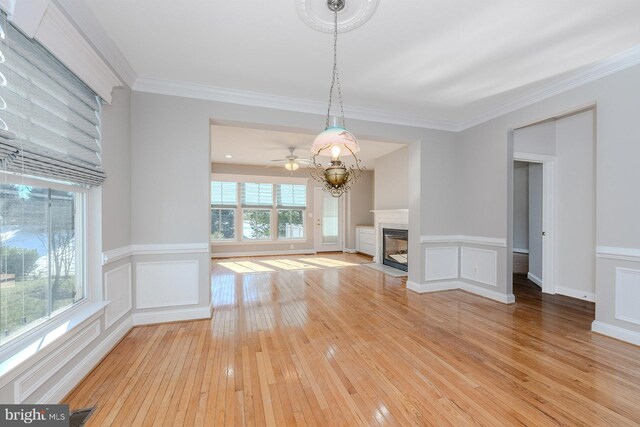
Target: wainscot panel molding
{"x": 627, "y": 302}
{"x": 80, "y": 370}
{"x": 174, "y": 315}
{"x": 463, "y": 239}
{"x": 576, "y": 293}
{"x": 263, "y": 253}
{"x": 479, "y": 265}
{"x": 118, "y": 290}
{"x": 616, "y": 332}
{"x": 441, "y": 263}
{"x": 116, "y": 254}
{"x": 620, "y": 254}
{"x": 31, "y": 380}
{"x": 167, "y": 283}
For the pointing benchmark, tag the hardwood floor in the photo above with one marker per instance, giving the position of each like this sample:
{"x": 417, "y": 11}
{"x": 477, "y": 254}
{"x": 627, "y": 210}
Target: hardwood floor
{"x": 316, "y": 341}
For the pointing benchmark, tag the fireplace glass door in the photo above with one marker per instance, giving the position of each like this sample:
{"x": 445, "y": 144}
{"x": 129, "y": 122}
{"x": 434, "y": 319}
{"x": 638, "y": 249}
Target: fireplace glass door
{"x": 395, "y": 248}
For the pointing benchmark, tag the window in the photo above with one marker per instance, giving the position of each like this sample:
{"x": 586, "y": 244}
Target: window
{"x": 50, "y": 155}
{"x": 291, "y": 203}
{"x": 256, "y": 218}
{"x": 41, "y": 256}
{"x": 224, "y": 201}
{"x": 267, "y": 211}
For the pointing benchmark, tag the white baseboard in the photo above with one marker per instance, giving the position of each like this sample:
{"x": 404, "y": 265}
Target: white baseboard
{"x": 574, "y": 293}
{"x": 349, "y": 251}
{"x": 521, "y": 251}
{"x": 79, "y": 371}
{"x": 456, "y": 284}
{"x": 422, "y": 288}
{"x": 616, "y": 332}
{"x": 488, "y": 293}
{"x": 173, "y": 315}
{"x": 263, "y": 253}
{"x": 535, "y": 279}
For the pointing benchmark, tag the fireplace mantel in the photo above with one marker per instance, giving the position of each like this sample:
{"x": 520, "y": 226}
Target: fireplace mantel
{"x": 395, "y": 218}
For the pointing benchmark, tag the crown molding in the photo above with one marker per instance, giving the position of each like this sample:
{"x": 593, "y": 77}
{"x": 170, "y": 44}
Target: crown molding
{"x": 87, "y": 23}
{"x": 256, "y": 99}
{"x": 578, "y": 78}
{"x": 581, "y": 77}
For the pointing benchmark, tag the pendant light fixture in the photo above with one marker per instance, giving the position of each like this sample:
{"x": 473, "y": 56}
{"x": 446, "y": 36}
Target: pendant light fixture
{"x": 335, "y": 141}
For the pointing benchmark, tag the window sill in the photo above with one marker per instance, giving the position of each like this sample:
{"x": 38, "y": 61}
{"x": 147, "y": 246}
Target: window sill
{"x": 33, "y": 347}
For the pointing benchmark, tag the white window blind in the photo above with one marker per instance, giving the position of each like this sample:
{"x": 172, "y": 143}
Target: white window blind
{"x": 224, "y": 194}
{"x": 50, "y": 121}
{"x": 291, "y": 195}
{"x": 255, "y": 195}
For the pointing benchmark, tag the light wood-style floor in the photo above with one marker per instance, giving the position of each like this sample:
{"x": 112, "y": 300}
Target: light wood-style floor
{"x": 319, "y": 340}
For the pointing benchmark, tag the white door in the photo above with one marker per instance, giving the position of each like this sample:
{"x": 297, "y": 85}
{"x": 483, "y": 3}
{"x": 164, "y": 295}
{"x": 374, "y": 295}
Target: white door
{"x": 329, "y": 222}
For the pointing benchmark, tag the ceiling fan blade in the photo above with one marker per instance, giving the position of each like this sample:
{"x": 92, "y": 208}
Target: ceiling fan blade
{"x": 305, "y": 161}
{"x": 280, "y": 160}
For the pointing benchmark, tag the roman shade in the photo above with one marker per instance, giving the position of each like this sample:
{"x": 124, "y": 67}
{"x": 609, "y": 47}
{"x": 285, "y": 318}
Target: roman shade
{"x": 256, "y": 195}
{"x": 50, "y": 120}
{"x": 224, "y": 194}
{"x": 291, "y": 196}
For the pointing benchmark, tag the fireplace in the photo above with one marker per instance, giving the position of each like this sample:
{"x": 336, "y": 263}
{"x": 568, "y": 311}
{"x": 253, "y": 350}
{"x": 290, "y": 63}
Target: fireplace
{"x": 395, "y": 248}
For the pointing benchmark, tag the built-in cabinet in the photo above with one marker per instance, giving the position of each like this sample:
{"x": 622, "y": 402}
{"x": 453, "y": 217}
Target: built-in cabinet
{"x": 365, "y": 240}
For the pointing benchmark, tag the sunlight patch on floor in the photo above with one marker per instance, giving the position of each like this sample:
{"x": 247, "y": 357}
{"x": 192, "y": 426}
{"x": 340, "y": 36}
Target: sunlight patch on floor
{"x": 283, "y": 264}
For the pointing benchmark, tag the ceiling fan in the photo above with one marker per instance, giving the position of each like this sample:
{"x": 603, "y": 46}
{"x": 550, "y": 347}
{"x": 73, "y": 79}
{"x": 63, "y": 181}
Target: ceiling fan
{"x": 292, "y": 162}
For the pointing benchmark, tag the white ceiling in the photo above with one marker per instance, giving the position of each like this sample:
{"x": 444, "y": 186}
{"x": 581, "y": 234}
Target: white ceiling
{"x": 442, "y": 60}
{"x": 249, "y": 146}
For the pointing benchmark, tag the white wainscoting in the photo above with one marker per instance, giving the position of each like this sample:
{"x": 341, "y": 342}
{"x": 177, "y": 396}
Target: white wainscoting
{"x": 117, "y": 290}
{"x": 29, "y": 382}
{"x": 627, "y": 303}
{"x": 441, "y": 263}
{"x": 479, "y": 265}
{"x": 167, "y": 283}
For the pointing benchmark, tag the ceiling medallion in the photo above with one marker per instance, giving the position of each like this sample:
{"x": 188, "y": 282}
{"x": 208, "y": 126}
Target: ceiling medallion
{"x": 318, "y": 14}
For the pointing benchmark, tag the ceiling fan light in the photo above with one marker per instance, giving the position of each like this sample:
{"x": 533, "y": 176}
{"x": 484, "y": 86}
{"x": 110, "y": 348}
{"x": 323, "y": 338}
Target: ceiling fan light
{"x": 291, "y": 166}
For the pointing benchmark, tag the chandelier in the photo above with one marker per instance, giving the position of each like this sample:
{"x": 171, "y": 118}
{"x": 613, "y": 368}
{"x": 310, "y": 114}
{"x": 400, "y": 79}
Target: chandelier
{"x": 335, "y": 141}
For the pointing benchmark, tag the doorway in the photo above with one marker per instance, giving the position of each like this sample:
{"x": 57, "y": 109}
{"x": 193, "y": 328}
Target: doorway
{"x": 329, "y": 222}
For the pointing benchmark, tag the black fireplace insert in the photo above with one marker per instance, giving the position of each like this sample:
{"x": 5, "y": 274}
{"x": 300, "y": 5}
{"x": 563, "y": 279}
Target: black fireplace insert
{"x": 395, "y": 248}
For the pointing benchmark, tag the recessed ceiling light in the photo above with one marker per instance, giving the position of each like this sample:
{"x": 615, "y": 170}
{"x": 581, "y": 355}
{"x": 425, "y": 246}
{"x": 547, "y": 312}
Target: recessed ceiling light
{"x": 228, "y": 156}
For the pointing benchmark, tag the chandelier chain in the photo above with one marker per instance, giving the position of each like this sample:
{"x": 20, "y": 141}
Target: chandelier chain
{"x": 335, "y": 79}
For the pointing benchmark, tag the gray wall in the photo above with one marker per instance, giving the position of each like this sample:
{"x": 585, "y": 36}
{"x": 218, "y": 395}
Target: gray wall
{"x": 521, "y": 207}
{"x": 576, "y": 240}
{"x": 487, "y": 159}
{"x": 535, "y": 220}
{"x": 359, "y": 206}
{"x": 391, "y": 180}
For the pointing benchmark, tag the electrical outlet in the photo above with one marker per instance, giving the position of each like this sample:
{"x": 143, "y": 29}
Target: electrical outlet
{"x": 475, "y": 269}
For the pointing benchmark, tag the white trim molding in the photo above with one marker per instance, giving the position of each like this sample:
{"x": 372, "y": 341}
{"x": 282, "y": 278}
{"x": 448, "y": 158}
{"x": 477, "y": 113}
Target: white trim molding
{"x": 620, "y": 254}
{"x": 521, "y": 251}
{"x": 173, "y": 315}
{"x": 80, "y": 370}
{"x": 535, "y": 279}
{"x": 153, "y": 249}
{"x": 575, "y": 293}
{"x": 466, "y": 240}
{"x": 278, "y": 102}
{"x": 463, "y": 286}
{"x": 581, "y": 77}
{"x": 616, "y": 332}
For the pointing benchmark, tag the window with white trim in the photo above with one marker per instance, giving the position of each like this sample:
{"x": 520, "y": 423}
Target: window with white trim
{"x": 50, "y": 155}
{"x": 266, "y": 212}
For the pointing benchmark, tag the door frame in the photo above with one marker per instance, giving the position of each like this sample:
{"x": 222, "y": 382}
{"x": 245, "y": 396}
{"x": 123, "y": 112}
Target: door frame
{"x": 548, "y": 216}
{"x": 317, "y": 214}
